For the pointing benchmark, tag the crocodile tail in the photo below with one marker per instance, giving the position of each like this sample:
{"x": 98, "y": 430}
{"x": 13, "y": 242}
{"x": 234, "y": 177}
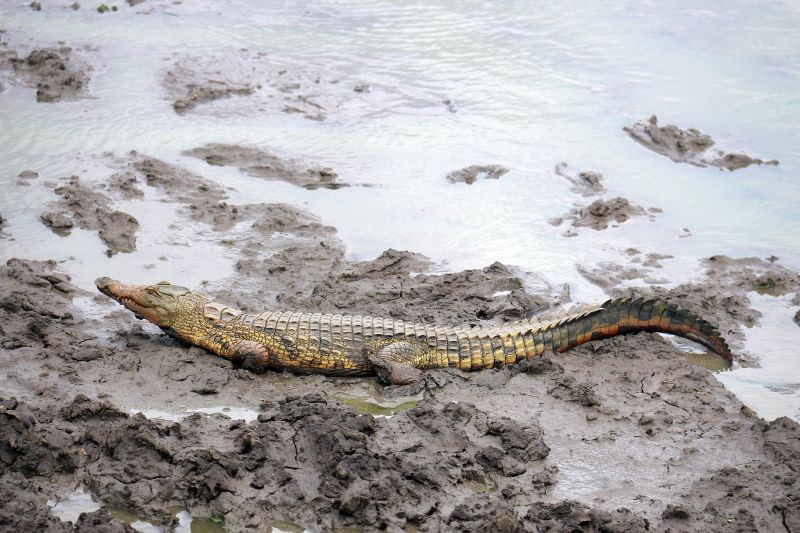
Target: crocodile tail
{"x": 620, "y": 316}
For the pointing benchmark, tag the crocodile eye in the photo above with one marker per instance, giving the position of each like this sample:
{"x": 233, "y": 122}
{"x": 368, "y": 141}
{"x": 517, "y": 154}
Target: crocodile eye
{"x": 163, "y": 283}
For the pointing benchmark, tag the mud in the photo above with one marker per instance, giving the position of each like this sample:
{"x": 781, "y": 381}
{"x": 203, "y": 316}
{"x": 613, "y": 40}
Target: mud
{"x": 25, "y": 177}
{"x": 244, "y": 82}
{"x": 55, "y": 73}
{"x": 472, "y": 173}
{"x": 601, "y": 214}
{"x": 260, "y": 164}
{"x": 584, "y": 182}
{"x": 642, "y": 267}
{"x": 81, "y": 206}
{"x": 688, "y": 146}
{"x": 617, "y": 435}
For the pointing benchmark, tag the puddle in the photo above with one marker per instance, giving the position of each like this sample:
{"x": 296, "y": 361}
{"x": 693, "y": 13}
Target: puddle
{"x": 697, "y": 353}
{"x": 70, "y": 507}
{"x": 368, "y": 401}
{"x": 709, "y": 360}
{"x": 280, "y": 526}
{"x": 480, "y": 488}
{"x": 234, "y": 413}
{"x": 189, "y": 524}
{"x": 772, "y": 390}
{"x": 132, "y": 519}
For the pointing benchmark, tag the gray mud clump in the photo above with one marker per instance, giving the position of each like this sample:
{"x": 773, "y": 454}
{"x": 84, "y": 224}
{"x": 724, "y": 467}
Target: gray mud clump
{"x": 260, "y": 164}
{"x": 199, "y": 94}
{"x": 91, "y": 210}
{"x": 600, "y": 214}
{"x": 53, "y": 72}
{"x": 584, "y": 182}
{"x": 688, "y": 146}
{"x": 472, "y": 173}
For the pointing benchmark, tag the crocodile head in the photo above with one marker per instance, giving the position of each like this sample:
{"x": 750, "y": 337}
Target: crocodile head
{"x": 162, "y": 304}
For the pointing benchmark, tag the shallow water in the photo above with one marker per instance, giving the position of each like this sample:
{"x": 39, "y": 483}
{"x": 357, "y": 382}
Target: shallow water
{"x": 532, "y": 86}
{"x": 69, "y": 507}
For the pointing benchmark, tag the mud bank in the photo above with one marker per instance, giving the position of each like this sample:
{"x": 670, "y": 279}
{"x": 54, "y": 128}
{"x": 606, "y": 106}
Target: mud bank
{"x": 688, "y": 146}
{"x": 55, "y": 73}
{"x": 260, "y": 164}
{"x": 623, "y": 434}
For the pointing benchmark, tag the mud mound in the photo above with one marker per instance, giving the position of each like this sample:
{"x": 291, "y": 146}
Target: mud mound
{"x": 688, "y": 146}
{"x": 53, "y": 72}
{"x": 600, "y": 214}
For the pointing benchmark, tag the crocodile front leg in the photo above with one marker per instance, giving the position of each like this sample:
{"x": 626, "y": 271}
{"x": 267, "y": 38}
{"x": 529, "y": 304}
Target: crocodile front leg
{"x": 394, "y": 366}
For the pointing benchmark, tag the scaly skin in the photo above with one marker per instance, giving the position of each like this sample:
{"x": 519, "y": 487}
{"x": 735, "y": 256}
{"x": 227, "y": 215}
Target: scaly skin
{"x": 395, "y": 351}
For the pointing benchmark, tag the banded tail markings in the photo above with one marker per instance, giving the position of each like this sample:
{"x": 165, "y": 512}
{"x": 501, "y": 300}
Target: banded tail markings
{"x": 625, "y": 315}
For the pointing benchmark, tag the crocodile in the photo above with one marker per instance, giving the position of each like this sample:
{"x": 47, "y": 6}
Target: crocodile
{"x": 396, "y": 351}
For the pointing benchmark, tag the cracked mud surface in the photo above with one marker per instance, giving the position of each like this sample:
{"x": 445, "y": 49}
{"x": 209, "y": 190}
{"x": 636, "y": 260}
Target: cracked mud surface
{"x": 688, "y": 146}
{"x": 617, "y": 435}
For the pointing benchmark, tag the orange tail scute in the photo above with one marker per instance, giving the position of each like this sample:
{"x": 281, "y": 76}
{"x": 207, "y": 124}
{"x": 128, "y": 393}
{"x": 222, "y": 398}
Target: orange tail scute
{"x": 626, "y": 315}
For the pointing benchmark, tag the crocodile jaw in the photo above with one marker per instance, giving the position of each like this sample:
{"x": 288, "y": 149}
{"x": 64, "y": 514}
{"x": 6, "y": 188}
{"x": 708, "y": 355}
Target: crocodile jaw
{"x": 144, "y": 300}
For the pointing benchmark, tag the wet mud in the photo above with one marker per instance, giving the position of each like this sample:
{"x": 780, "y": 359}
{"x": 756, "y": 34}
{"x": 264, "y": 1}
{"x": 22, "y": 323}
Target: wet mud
{"x": 618, "y": 435}
{"x": 260, "y": 164}
{"x": 688, "y": 146}
{"x": 55, "y": 73}
{"x": 25, "y": 177}
{"x": 642, "y": 267}
{"x": 584, "y": 182}
{"x": 473, "y": 173}
{"x": 601, "y": 214}
{"x": 83, "y": 207}
{"x": 244, "y": 82}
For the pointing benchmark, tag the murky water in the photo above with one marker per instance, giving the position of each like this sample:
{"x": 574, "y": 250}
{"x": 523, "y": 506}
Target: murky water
{"x": 532, "y": 86}
{"x": 69, "y": 507}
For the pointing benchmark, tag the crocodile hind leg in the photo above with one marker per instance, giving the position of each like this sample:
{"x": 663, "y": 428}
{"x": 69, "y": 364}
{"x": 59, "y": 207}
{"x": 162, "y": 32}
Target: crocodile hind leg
{"x": 393, "y": 365}
{"x": 252, "y": 356}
